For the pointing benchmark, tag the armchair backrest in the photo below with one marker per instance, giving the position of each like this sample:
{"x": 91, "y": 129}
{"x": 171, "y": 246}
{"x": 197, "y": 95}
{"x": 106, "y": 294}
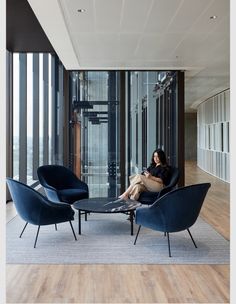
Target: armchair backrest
{"x": 28, "y": 202}
{"x": 180, "y": 207}
{"x": 56, "y": 176}
{"x": 174, "y": 177}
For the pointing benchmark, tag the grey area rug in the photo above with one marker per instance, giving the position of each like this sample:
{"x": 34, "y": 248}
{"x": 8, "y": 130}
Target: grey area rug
{"x": 106, "y": 239}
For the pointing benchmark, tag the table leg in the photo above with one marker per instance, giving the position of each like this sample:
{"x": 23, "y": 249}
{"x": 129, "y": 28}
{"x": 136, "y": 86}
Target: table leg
{"x": 132, "y": 221}
{"x": 79, "y": 221}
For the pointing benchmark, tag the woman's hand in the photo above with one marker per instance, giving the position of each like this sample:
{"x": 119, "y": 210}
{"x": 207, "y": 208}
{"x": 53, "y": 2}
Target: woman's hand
{"x": 150, "y": 176}
{"x": 147, "y": 174}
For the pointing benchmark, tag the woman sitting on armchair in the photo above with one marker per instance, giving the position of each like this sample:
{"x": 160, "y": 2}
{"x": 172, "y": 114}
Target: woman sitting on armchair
{"x": 154, "y": 178}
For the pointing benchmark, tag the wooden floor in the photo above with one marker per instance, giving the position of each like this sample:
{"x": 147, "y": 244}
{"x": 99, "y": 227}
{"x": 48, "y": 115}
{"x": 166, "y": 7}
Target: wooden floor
{"x": 132, "y": 283}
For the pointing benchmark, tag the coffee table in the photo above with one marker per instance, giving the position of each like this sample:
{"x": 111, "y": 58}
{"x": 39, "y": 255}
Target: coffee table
{"x": 106, "y": 205}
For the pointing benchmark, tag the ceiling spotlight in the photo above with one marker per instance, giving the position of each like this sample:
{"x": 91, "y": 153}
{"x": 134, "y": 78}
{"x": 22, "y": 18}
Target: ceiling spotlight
{"x": 81, "y": 10}
{"x": 213, "y": 17}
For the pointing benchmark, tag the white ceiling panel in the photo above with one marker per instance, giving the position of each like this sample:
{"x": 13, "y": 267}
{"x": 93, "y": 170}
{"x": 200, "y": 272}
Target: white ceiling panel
{"x": 149, "y": 47}
{"x": 161, "y": 15}
{"x": 78, "y": 22}
{"x": 85, "y": 45}
{"x": 127, "y": 45}
{"x": 143, "y": 34}
{"x": 107, "y": 15}
{"x": 135, "y": 15}
{"x": 217, "y": 8}
{"x": 107, "y": 46}
{"x": 192, "y": 47}
{"x": 187, "y": 14}
{"x": 158, "y": 46}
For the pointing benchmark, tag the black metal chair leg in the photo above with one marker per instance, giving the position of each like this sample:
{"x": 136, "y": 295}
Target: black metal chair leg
{"x": 79, "y": 221}
{"x": 137, "y": 234}
{"x": 73, "y": 230}
{"x": 23, "y": 229}
{"x": 55, "y": 226}
{"x": 36, "y": 236}
{"x": 168, "y": 244}
{"x": 192, "y": 238}
{"x": 85, "y": 216}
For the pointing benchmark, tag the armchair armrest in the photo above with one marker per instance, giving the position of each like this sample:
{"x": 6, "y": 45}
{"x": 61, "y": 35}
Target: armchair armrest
{"x": 47, "y": 186}
{"x": 80, "y": 184}
{"x": 52, "y": 194}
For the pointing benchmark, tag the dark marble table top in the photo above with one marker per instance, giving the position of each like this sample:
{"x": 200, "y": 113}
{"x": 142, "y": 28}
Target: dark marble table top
{"x": 106, "y": 205}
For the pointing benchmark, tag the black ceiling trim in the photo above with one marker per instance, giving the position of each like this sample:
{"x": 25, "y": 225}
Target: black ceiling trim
{"x": 24, "y": 32}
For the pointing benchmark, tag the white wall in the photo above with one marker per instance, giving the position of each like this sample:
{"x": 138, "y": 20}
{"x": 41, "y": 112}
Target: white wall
{"x": 213, "y": 147}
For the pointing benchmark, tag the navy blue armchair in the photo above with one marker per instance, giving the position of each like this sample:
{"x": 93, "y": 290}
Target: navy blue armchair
{"x": 148, "y": 198}
{"x": 61, "y": 184}
{"x": 36, "y": 209}
{"x": 175, "y": 211}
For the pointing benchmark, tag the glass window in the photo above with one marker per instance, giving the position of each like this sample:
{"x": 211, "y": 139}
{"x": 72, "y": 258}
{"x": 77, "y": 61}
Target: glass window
{"x": 33, "y": 124}
{"x": 16, "y": 127}
{"x": 97, "y": 118}
{"x": 41, "y": 109}
{"x": 29, "y": 118}
{"x": 99, "y": 134}
{"x": 50, "y": 107}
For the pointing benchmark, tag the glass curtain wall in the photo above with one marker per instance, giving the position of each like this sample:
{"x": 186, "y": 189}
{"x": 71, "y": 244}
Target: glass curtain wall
{"x": 149, "y": 121}
{"x": 151, "y": 118}
{"x": 36, "y": 138}
{"x": 95, "y": 127}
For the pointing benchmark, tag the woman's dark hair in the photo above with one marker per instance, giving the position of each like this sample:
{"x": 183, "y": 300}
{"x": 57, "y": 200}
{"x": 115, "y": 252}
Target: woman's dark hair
{"x": 161, "y": 155}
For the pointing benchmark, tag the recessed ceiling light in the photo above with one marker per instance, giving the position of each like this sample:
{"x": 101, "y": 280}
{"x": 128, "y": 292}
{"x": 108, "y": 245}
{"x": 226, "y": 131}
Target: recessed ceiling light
{"x": 81, "y": 10}
{"x": 213, "y": 17}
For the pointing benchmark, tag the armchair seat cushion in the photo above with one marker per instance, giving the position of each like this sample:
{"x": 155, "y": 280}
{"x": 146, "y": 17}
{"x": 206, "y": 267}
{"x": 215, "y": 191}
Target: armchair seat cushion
{"x": 71, "y": 195}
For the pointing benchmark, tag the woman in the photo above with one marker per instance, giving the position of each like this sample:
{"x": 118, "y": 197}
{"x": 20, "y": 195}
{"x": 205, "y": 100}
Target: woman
{"x": 153, "y": 179}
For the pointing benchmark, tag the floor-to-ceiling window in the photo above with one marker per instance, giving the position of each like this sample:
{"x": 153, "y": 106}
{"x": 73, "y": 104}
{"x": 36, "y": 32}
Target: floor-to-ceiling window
{"x": 37, "y": 103}
{"x": 152, "y": 116}
{"x": 95, "y": 111}
{"x": 16, "y": 127}
{"x": 107, "y": 124}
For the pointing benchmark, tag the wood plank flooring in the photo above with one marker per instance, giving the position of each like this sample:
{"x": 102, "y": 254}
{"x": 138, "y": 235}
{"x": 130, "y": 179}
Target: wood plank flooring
{"x": 216, "y": 208}
{"x": 132, "y": 283}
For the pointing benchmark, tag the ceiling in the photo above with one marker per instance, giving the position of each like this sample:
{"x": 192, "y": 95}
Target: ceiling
{"x": 144, "y": 35}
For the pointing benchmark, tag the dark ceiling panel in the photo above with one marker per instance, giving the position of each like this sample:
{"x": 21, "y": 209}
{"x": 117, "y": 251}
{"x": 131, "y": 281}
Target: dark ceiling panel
{"x": 24, "y": 33}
